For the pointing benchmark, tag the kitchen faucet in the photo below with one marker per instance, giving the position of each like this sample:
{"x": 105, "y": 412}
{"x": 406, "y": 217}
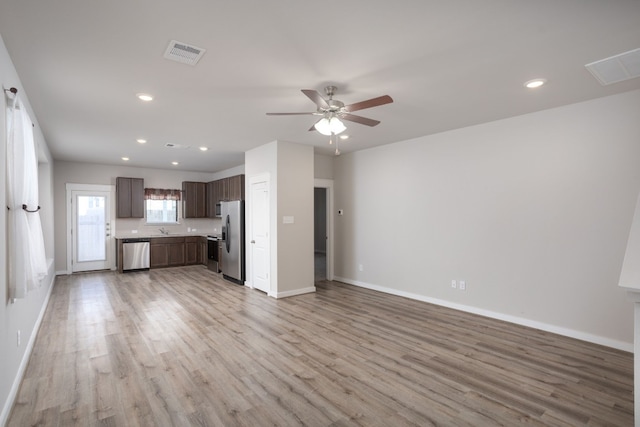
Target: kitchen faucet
{"x": 163, "y": 231}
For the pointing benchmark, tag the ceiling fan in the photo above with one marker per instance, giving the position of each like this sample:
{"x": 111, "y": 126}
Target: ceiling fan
{"x": 333, "y": 110}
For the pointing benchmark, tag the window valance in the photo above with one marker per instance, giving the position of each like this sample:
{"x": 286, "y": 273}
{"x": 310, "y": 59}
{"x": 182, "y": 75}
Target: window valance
{"x": 161, "y": 194}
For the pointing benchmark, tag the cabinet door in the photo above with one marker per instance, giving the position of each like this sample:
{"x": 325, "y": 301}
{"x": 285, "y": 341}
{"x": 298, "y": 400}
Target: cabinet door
{"x": 211, "y": 199}
{"x": 188, "y": 199}
{"x": 130, "y": 197}
{"x": 220, "y": 256}
{"x": 201, "y": 199}
{"x": 203, "y": 252}
{"x": 224, "y": 189}
{"x": 236, "y": 187}
{"x": 191, "y": 253}
{"x": 123, "y": 197}
{"x": 194, "y": 203}
{"x": 158, "y": 255}
{"x": 176, "y": 254}
{"x": 220, "y": 190}
{"x": 137, "y": 198}
{"x": 192, "y": 250}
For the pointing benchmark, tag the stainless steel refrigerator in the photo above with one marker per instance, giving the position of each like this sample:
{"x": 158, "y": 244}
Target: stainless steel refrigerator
{"x": 233, "y": 241}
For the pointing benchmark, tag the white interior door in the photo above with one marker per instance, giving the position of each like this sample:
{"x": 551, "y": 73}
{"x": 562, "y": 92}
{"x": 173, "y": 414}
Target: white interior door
{"x": 90, "y": 233}
{"x": 259, "y": 239}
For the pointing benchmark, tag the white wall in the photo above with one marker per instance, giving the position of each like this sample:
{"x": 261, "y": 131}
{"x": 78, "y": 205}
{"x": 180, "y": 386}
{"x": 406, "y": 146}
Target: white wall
{"x": 323, "y": 166}
{"x": 25, "y": 314}
{"x": 290, "y": 168}
{"x": 532, "y": 211}
{"x": 295, "y": 199}
{"x": 86, "y": 173}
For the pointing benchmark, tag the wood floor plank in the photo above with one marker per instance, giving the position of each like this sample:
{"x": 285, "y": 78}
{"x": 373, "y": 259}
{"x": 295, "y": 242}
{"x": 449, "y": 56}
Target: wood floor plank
{"x": 183, "y": 347}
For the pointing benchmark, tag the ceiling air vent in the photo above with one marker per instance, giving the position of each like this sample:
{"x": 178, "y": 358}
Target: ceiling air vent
{"x": 177, "y": 146}
{"x": 616, "y": 68}
{"x": 182, "y": 52}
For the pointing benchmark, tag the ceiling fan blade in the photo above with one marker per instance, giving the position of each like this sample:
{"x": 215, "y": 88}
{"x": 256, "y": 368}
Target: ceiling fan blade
{"x": 373, "y": 102}
{"x": 315, "y": 96}
{"x": 291, "y": 114}
{"x": 359, "y": 119}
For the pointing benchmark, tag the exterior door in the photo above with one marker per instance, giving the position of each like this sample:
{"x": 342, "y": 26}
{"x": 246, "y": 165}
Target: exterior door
{"x": 259, "y": 239}
{"x": 90, "y": 232}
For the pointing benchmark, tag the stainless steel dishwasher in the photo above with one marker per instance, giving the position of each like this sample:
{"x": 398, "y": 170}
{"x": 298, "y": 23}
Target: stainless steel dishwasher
{"x": 135, "y": 254}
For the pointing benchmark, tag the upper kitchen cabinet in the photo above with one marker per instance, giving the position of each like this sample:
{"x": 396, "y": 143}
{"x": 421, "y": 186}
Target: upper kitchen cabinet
{"x": 235, "y": 188}
{"x": 194, "y": 196}
{"x": 130, "y": 197}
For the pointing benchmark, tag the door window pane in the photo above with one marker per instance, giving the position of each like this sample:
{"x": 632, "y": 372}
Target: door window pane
{"x": 91, "y": 232}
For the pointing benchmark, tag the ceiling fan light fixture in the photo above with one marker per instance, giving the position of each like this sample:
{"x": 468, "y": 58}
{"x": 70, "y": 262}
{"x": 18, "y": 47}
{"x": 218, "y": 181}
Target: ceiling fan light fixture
{"x": 331, "y": 125}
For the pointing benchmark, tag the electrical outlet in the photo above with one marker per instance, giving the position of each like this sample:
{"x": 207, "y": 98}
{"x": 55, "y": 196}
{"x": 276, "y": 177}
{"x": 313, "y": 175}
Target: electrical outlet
{"x": 18, "y": 338}
{"x": 360, "y": 267}
{"x": 463, "y": 285}
{"x": 454, "y": 284}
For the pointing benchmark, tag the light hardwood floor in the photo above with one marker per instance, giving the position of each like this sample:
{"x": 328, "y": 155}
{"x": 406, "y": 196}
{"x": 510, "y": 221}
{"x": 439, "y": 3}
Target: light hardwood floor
{"x": 182, "y": 347}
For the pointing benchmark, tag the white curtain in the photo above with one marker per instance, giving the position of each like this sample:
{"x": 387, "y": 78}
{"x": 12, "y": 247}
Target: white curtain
{"x": 27, "y": 261}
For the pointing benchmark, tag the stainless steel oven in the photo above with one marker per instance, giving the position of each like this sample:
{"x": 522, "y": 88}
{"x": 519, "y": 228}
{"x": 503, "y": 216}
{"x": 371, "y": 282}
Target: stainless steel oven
{"x": 212, "y": 253}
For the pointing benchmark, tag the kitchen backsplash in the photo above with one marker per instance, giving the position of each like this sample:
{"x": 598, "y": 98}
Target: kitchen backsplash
{"x": 125, "y": 227}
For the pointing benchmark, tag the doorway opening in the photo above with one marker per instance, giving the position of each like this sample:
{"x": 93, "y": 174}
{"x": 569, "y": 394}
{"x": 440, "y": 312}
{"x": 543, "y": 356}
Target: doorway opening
{"x": 323, "y": 230}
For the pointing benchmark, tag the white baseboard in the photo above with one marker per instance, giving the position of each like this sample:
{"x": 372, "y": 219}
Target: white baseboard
{"x": 295, "y": 292}
{"x": 571, "y": 333}
{"x": 8, "y": 404}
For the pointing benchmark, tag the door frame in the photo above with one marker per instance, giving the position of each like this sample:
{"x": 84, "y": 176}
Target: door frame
{"x": 266, "y": 178}
{"x": 70, "y": 188}
{"x": 327, "y": 184}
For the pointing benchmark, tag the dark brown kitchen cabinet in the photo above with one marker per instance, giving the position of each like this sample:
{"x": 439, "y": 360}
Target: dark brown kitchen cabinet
{"x": 194, "y": 196}
{"x": 167, "y": 252}
{"x": 176, "y": 254}
{"x": 224, "y": 190}
{"x": 130, "y": 197}
{"x": 158, "y": 254}
{"x": 235, "y": 187}
{"x": 193, "y": 247}
{"x": 221, "y": 188}
{"x": 214, "y": 196}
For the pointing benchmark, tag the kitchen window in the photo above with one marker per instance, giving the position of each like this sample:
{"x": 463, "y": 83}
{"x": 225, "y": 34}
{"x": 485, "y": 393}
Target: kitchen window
{"x": 162, "y": 211}
{"x": 161, "y": 205}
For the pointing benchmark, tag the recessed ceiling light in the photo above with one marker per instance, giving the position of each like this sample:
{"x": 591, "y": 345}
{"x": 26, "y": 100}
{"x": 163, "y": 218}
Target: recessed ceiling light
{"x": 144, "y": 97}
{"x": 141, "y": 141}
{"x": 344, "y": 136}
{"x": 175, "y": 163}
{"x": 126, "y": 159}
{"x": 532, "y": 84}
{"x": 203, "y": 148}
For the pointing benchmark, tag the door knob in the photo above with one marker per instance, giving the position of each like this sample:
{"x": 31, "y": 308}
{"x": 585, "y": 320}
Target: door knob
{"x": 253, "y": 241}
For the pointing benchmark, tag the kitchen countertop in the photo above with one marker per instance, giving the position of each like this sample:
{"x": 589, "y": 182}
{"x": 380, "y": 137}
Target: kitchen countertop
{"x": 155, "y": 236}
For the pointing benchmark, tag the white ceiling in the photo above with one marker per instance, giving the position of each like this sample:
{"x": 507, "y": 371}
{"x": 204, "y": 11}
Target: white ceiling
{"x": 446, "y": 64}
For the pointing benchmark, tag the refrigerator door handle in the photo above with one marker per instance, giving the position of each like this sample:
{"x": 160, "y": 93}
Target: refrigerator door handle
{"x": 228, "y": 236}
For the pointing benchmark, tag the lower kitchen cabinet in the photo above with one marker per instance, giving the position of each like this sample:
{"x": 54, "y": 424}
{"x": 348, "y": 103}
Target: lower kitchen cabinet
{"x": 167, "y": 252}
{"x": 158, "y": 255}
{"x": 195, "y": 250}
